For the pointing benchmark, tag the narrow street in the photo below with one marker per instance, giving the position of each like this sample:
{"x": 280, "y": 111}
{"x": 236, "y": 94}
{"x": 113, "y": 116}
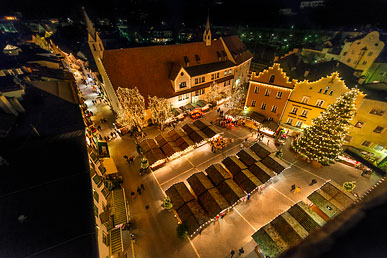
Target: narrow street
{"x": 155, "y": 228}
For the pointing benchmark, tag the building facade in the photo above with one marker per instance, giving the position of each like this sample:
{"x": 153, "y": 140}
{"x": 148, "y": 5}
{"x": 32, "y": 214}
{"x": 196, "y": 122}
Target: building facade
{"x": 268, "y": 92}
{"x": 309, "y": 99}
{"x": 360, "y": 53}
{"x": 181, "y": 73}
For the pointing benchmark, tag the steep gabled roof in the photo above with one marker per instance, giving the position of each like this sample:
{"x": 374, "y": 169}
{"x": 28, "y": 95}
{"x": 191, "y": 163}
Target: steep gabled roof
{"x": 237, "y": 49}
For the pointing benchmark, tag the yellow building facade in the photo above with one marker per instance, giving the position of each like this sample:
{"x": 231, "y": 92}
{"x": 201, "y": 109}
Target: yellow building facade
{"x": 309, "y": 99}
{"x": 369, "y": 128}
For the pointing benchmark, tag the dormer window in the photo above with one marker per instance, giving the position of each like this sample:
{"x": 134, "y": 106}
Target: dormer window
{"x": 182, "y": 85}
{"x": 186, "y": 60}
{"x": 197, "y": 58}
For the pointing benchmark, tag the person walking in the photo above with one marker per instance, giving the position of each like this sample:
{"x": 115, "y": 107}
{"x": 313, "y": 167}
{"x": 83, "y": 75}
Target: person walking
{"x": 292, "y": 188}
{"x": 232, "y": 253}
{"x": 142, "y": 187}
{"x": 133, "y": 194}
{"x": 314, "y": 181}
{"x": 139, "y": 190}
{"x": 126, "y": 157}
{"x": 241, "y": 251}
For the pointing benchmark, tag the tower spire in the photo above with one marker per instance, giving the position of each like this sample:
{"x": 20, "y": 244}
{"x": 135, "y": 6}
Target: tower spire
{"x": 89, "y": 24}
{"x": 207, "y": 31}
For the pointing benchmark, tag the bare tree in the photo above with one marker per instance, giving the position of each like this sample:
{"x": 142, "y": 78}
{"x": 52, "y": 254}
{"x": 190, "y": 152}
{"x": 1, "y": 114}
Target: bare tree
{"x": 238, "y": 96}
{"x": 132, "y": 107}
{"x": 160, "y": 109}
{"x": 213, "y": 93}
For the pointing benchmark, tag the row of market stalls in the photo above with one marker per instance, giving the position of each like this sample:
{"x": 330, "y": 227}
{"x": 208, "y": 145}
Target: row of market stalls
{"x": 253, "y": 120}
{"x": 295, "y": 224}
{"x": 191, "y": 109}
{"x": 171, "y": 145}
{"x": 211, "y": 194}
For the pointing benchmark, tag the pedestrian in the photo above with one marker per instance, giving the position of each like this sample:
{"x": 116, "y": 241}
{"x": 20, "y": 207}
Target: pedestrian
{"x": 147, "y": 207}
{"x": 99, "y": 128}
{"x": 314, "y": 181}
{"x": 126, "y": 157}
{"x": 105, "y": 138}
{"x": 133, "y": 194}
{"x": 246, "y": 140}
{"x": 142, "y": 187}
{"x": 105, "y": 120}
{"x": 241, "y": 251}
{"x": 111, "y": 134}
{"x": 293, "y": 187}
{"x": 297, "y": 190}
{"x": 139, "y": 190}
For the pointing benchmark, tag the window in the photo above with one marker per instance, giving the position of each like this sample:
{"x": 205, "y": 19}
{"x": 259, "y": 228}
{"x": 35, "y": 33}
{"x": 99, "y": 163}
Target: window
{"x": 225, "y": 72}
{"x": 203, "y": 91}
{"x": 299, "y": 124}
{"x": 186, "y": 96}
{"x": 294, "y": 111}
{"x": 203, "y": 79}
{"x": 182, "y": 85}
{"x": 378, "y": 129}
{"x": 279, "y": 94}
{"x": 196, "y": 81}
{"x": 353, "y": 51}
{"x": 253, "y": 103}
{"x": 331, "y": 93}
{"x": 212, "y": 76}
{"x": 370, "y": 53}
{"x": 229, "y": 71}
{"x": 95, "y": 210}
{"x": 19, "y": 71}
{"x": 256, "y": 90}
{"x": 263, "y": 106}
{"x": 348, "y": 60}
{"x": 272, "y": 77}
{"x": 366, "y": 143}
{"x": 181, "y": 74}
{"x": 290, "y": 121}
{"x": 105, "y": 238}
{"x": 97, "y": 180}
{"x": 378, "y": 147}
{"x": 100, "y": 47}
{"x": 320, "y": 102}
{"x": 304, "y": 113}
{"x": 270, "y": 119}
{"x": 305, "y": 99}
{"x": 345, "y": 53}
{"x": 320, "y": 90}
{"x": 377, "y": 112}
{"x": 267, "y": 92}
{"x": 359, "y": 124}
{"x": 96, "y": 196}
{"x": 94, "y": 48}
{"x": 326, "y": 90}
{"x": 364, "y": 62}
{"x": 274, "y": 109}
{"x": 348, "y": 138}
{"x": 180, "y": 97}
{"x": 226, "y": 83}
{"x": 217, "y": 75}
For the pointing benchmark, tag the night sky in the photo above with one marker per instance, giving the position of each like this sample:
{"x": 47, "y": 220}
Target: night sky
{"x": 222, "y": 12}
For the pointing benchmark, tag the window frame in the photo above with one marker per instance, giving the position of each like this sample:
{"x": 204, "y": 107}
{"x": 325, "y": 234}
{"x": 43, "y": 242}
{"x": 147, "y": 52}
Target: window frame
{"x": 307, "y": 98}
{"x": 274, "y": 109}
{"x": 279, "y": 95}
{"x": 263, "y": 106}
{"x": 267, "y": 92}
{"x": 253, "y": 103}
{"x": 256, "y": 90}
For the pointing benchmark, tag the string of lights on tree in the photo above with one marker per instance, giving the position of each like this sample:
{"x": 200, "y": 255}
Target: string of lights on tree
{"x": 323, "y": 140}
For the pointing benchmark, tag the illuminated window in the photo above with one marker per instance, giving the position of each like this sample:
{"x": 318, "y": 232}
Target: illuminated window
{"x": 304, "y": 113}
{"x": 305, "y": 99}
{"x": 256, "y": 90}
{"x": 263, "y": 106}
{"x": 279, "y": 95}
{"x": 196, "y": 81}
{"x": 299, "y": 124}
{"x": 272, "y": 77}
{"x": 359, "y": 124}
{"x": 225, "y": 72}
{"x": 378, "y": 129}
{"x": 253, "y": 103}
{"x": 267, "y": 92}
{"x": 366, "y": 143}
{"x": 377, "y": 112}
{"x": 289, "y": 121}
{"x": 274, "y": 109}
{"x": 294, "y": 111}
{"x": 378, "y": 147}
{"x": 348, "y": 138}
{"x": 182, "y": 85}
{"x": 320, "y": 102}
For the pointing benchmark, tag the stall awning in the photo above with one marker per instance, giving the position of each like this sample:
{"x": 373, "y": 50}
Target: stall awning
{"x": 201, "y": 103}
{"x": 233, "y": 112}
{"x": 252, "y": 115}
{"x": 119, "y": 207}
{"x": 271, "y": 125}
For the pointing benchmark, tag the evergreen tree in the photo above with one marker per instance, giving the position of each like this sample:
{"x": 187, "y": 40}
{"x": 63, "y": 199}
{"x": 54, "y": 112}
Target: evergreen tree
{"x": 323, "y": 140}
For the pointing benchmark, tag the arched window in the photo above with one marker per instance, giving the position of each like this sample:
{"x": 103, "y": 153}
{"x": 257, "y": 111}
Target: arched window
{"x": 271, "y": 80}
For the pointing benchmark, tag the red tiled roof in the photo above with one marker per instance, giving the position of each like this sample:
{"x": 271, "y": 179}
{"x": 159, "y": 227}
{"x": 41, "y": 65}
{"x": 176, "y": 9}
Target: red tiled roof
{"x": 237, "y": 49}
{"x": 149, "y": 68}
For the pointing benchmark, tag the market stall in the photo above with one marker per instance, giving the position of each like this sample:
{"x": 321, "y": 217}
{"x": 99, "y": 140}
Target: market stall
{"x": 199, "y": 183}
{"x": 248, "y": 157}
{"x": 269, "y": 128}
{"x": 217, "y": 174}
{"x": 179, "y": 195}
{"x": 247, "y": 181}
{"x": 263, "y": 173}
{"x": 230, "y": 191}
{"x": 274, "y": 163}
{"x": 233, "y": 165}
{"x": 193, "y": 215}
{"x": 213, "y": 202}
{"x": 262, "y": 150}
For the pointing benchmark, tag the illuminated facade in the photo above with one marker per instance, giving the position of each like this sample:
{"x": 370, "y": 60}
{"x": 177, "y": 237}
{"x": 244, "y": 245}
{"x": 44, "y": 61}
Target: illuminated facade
{"x": 268, "y": 92}
{"x": 362, "y": 52}
{"x": 309, "y": 99}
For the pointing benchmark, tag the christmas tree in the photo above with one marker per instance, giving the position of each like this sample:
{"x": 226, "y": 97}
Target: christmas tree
{"x": 323, "y": 140}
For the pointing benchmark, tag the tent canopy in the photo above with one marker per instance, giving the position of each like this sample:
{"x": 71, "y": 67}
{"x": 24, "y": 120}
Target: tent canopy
{"x": 179, "y": 195}
{"x": 247, "y": 181}
{"x": 262, "y": 172}
{"x": 274, "y": 163}
{"x": 233, "y": 165}
{"x": 261, "y": 150}
{"x": 213, "y": 202}
{"x": 248, "y": 157}
{"x": 199, "y": 183}
{"x": 217, "y": 174}
{"x": 230, "y": 191}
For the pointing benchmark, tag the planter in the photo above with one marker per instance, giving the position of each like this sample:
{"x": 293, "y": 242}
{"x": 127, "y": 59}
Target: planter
{"x": 316, "y": 164}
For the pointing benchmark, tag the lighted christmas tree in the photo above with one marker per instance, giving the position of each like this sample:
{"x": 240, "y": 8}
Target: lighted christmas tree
{"x": 323, "y": 140}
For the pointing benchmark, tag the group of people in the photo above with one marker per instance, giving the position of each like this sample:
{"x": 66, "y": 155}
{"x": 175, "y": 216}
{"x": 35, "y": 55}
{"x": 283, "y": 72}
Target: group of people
{"x": 260, "y": 136}
{"x": 139, "y": 190}
{"x": 297, "y": 189}
{"x": 240, "y": 251}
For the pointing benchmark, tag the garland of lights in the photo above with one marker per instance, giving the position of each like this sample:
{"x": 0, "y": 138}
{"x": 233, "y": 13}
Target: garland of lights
{"x": 322, "y": 142}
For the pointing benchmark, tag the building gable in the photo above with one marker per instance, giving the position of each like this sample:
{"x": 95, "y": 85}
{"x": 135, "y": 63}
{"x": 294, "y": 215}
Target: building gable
{"x": 274, "y": 75}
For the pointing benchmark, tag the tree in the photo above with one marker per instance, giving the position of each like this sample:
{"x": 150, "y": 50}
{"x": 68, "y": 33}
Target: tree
{"x": 238, "y": 96}
{"x": 349, "y": 186}
{"x": 323, "y": 140}
{"x": 167, "y": 204}
{"x": 160, "y": 109}
{"x": 132, "y": 107}
{"x": 182, "y": 230}
{"x": 213, "y": 93}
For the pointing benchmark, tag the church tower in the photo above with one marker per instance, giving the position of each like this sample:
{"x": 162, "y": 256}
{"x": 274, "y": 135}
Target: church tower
{"x": 95, "y": 42}
{"x": 207, "y": 32}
